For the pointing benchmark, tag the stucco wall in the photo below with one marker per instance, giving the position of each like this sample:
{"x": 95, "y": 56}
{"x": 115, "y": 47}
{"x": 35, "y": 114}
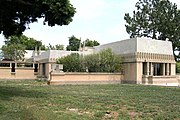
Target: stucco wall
{"x": 130, "y": 73}
{"x": 161, "y": 80}
{"x": 20, "y": 73}
{"x": 85, "y": 78}
{"x": 5, "y": 72}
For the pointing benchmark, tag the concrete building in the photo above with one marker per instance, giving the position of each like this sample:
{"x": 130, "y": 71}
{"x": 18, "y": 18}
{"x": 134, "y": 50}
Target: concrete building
{"x": 146, "y": 61}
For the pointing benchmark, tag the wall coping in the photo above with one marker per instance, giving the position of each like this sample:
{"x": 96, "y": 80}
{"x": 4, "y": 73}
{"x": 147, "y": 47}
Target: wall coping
{"x": 82, "y": 73}
{"x": 170, "y": 76}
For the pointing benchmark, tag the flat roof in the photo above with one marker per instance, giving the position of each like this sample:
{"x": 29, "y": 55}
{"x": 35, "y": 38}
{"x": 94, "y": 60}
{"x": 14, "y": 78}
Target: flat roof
{"x": 145, "y": 45}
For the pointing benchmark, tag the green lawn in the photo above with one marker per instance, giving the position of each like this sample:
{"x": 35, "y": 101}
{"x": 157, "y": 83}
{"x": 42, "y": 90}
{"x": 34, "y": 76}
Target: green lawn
{"x": 33, "y": 100}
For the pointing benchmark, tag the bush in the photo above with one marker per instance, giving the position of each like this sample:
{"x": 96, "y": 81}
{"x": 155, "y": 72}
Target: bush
{"x": 72, "y": 63}
{"x": 178, "y": 67}
{"x": 104, "y": 61}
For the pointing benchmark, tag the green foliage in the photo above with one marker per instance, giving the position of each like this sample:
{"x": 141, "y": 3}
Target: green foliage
{"x": 16, "y": 15}
{"x": 28, "y": 43}
{"x": 55, "y": 47}
{"x": 13, "y": 51}
{"x": 71, "y": 63}
{"x": 92, "y": 62}
{"x": 74, "y": 44}
{"x": 91, "y": 43}
{"x": 15, "y": 46}
{"x": 104, "y": 61}
{"x": 157, "y": 19}
{"x": 178, "y": 67}
{"x": 27, "y": 100}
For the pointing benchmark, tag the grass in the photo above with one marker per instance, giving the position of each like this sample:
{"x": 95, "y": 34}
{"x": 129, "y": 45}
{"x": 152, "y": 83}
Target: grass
{"x": 34, "y": 100}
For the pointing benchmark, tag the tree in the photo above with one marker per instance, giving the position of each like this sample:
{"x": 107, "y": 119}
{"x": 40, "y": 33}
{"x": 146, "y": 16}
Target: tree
{"x": 55, "y": 47}
{"x": 15, "y": 46}
{"x": 13, "y": 51}
{"x": 28, "y": 43}
{"x": 91, "y": 43}
{"x": 157, "y": 19}
{"x": 16, "y": 15}
{"x": 74, "y": 44}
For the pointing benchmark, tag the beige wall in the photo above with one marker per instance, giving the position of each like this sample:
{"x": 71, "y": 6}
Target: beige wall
{"x": 139, "y": 72}
{"x": 48, "y": 70}
{"x": 40, "y": 70}
{"x": 65, "y": 78}
{"x": 173, "y": 69}
{"x": 24, "y": 73}
{"x": 129, "y": 73}
{"x": 20, "y": 73}
{"x": 161, "y": 80}
{"x": 5, "y": 72}
{"x": 133, "y": 72}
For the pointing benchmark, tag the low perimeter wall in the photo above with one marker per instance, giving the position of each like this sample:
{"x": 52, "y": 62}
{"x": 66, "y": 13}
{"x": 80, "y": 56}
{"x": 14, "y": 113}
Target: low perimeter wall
{"x": 161, "y": 80}
{"x": 20, "y": 73}
{"x": 85, "y": 78}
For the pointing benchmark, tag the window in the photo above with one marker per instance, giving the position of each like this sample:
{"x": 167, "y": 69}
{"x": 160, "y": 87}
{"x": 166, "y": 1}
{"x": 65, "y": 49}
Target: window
{"x": 13, "y": 67}
{"x": 35, "y": 67}
{"x": 157, "y": 70}
{"x": 4, "y": 64}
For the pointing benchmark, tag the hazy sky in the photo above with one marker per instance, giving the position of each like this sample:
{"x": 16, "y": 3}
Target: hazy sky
{"x": 101, "y": 20}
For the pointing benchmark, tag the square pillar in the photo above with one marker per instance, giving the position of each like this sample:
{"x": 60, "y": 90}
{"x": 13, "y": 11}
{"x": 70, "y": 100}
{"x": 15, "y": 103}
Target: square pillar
{"x": 172, "y": 69}
{"x": 167, "y": 69}
{"x": 147, "y": 70}
{"x": 163, "y": 69}
{"x": 155, "y": 70}
{"x": 151, "y": 69}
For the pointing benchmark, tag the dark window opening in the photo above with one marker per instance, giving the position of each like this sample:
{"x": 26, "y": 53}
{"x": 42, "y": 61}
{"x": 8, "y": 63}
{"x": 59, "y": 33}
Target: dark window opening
{"x": 144, "y": 68}
{"x": 157, "y": 70}
{"x": 4, "y": 64}
{"x": 35, "y": 67}
{"x": 13, "y": 67}
{"x": 28, "y": 65}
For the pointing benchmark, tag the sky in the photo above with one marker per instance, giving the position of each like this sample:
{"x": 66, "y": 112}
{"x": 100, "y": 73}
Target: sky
{"x": 100, "y": 20}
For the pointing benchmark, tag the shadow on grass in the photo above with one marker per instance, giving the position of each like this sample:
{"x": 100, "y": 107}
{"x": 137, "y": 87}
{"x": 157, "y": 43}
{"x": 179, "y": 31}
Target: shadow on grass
{"x": 7, "y": 92}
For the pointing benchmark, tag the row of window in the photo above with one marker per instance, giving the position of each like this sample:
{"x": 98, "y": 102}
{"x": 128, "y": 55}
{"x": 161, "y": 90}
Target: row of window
{"x": 156, "y": 69}
{"x": 13, "y": 66}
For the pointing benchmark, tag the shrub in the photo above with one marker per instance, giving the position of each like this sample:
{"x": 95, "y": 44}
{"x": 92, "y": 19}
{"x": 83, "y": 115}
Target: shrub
{"x": 72, "y": 63}
{"x": 104, "y": 61}
{"x": 178, "y": 67}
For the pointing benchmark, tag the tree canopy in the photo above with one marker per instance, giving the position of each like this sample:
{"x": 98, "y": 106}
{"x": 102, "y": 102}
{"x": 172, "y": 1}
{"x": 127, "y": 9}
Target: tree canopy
{"x": 75, "y": 43}
{"x": 16, "y": 15}
{"x": 55, "y": 47}
{"x": 28, "y": 43}
{"x": 91, "y": 43}
{"x": 157, "y": 19}
{"x": 15, "y": 46}
{"x": 13, "y": 51}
